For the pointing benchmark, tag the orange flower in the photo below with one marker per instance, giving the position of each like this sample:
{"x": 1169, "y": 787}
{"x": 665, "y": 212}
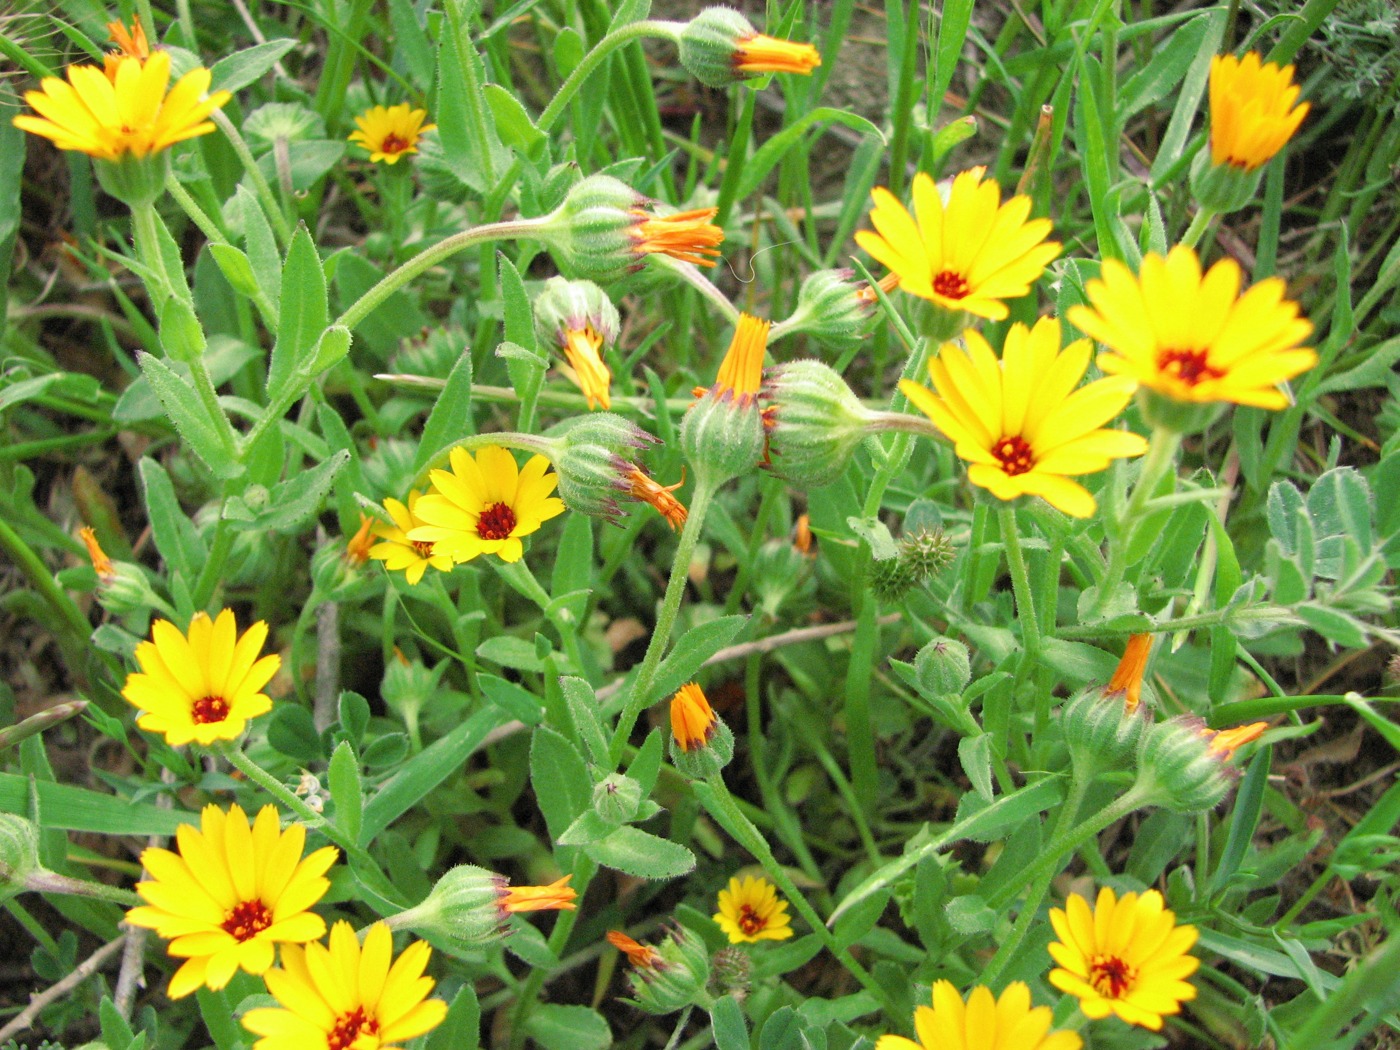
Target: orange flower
{"x": 646, "y": 490}
{"x": 101, "y": 564}
{"x": 1225, "y": 742}
{"x": 692, "y": 718}
{"x": 357, "y": 547}
{"x": 130, "y": 44}
{"x": 688, "y": 236}
{"x": 802, "y": 537}
{"x": 557, "y": 896}
{"x": 741, "y": 371}
{"x": 767, "y": 54}
{"x": 1127, "y": 679}
{"x": 642, "y": 956}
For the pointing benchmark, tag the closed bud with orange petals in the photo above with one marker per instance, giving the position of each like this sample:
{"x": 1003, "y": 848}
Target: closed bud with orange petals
{"x": 701, "y": 744}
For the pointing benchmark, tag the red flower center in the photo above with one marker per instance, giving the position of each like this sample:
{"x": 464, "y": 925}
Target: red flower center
{"x": 247, "y": 920}
{"x": 497, "y": 522}
{"x": 423, "y": 548}
{"x": 1111, "y": 976}
{"x": 209, "y": 709}
{"x": 393, "y": 144}
{"x": 348, "y": 1028}
{"x": 1014, "y": 454}
{"x": 750, "y": 921}
{"x": 1190, "y": 366}
{"x": 951, "y": 285}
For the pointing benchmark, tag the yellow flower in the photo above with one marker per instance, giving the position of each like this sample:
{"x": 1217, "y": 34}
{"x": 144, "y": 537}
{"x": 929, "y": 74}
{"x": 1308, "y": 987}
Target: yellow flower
{"x": 130, "y": 42}
{"x": 751, "y": 911}
{"x": 557, "y": 896}
{"x": 741, "y": 372}
{"x": 485, "y": 504}
{"x": 1252, "y": 114}
{"x": 129, "y": 114}
{"x": 1194, "y": 338}
{"x": 1019, "y": 422}
{"x": 968, "y": 254}
{"x": 692, "y": 718}
{"x": 397, "y": 551}
{"x": 1126, "y": 957}
{"x": 982, "y": 1023}
{"x": 1127, "y": 677}
{"x": 589, "y": 373}
{"x": 202, "y": 687}
{"x": 389, "y": 132}
{"x": 347, "y": 997}
{"x": 231, "y": 894}
{"x": 688, "y": 236}
{"x": 1225, "y": 742}
{"x": 759, "y": 53}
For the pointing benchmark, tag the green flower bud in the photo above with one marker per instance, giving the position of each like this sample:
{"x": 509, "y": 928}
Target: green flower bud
{"x": 723, "y": 435}
{"x": 1187, "y": 764}
{"x": 815, "y": 422}
{"x": 1222, "y": 188}
{"x": 833, "y": 309}
{"x": 676, "y": 976}
{"x": 1100, "y": 731}
{"x": 701, "y": 744}
{"x": 919, "y": 556}
{"x": 943, "y": 667}
{"x": 719, "y": 47}
{"x": 591, "y": 455}
{"x": 1183, "y": 417}
{"x": 127, "y": 590}
{"x": 782, "y": 574}
{"x": 462, "y": 911}
{"x": 19, "y": 854}
{"x": 732, "y": 972}
{"x": 565, "y": 306}
{"x": 616, "y": 798}
{"x": 135, "y": 181}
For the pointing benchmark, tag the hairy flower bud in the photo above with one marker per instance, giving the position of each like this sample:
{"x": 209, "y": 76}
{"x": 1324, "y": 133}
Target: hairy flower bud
{"x": 1187, "y": 764}
{"x": 722, "y": 434}
{"x": 815, "y": 422}
{"x": 592, "y": 456}
{"x": 943, "y": 667}
{"x": 833, "y": 309}
{"x": 719, "y": 47}
{"x": 701, "y": 744}
{"x": 469, "y": 908}
{"x": 616, "y": 798}
{"x": 579, "y": 318}
{"x": 918, "y": 556}
{"x": 675, "y": 976}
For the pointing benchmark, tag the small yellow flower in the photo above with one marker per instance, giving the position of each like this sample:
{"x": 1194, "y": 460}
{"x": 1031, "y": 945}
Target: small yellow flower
{"x": 751, "y": 911}
{"x": 1252, "y": 114}
{"x": 692, "y": 718}
{"x": 557, "y": 896}
{"x": 231, "y": 894}
{"x": 1225, "y": 742}
{"x": 390, "y": 132}
{"x": 1194, "y": 338}
{"x": 688, "y": 236}
{"x": 968, "y": 254}
{"x": 1126, "y": 957}
{"x": 642, "y": 956}
{"x": 589, "y": 373}
{"x": 397, "y": 551}
{"x": 485, "y": 504}
{"x": 1019, "y": 422}
{"x": 202, "y": 687}
{"x": 758, "y": 53}
{"x": 346, "y": 996}
{"x": 741, "y": 372}
{"x": 983, "y": 1022}
{"x": 1127, "y": 677}
{"x": 128, "y": 114}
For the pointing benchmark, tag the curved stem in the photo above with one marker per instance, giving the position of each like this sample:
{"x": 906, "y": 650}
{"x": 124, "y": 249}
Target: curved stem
{"x": 1199, "y": 224}
{"x": 1020, "y": 584}
{"x": 275, "y": 215}
{"x": 278, "y": 790}
{"x": 52, "y": 882}
{"x": 591, "y": 61}
{"x": 665, "y": 620}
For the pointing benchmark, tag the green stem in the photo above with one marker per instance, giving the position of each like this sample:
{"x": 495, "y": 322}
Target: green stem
{"x": 51, "y": 882}
{"x": 1161, "y": 453}
{"x": 278, "y": 790}
{"x": 191, "y": 208}
{"x": 665, "y": 620}
{"x": 727, "y": 811}
{"x": 1278, "y": 614}
{"x": 591, "y": 61}
{"x": 1200, "y": 222}
{"x": 1020, "y": 584}
{"x": 429, "y": 257}
{"x": 274, "y": 211}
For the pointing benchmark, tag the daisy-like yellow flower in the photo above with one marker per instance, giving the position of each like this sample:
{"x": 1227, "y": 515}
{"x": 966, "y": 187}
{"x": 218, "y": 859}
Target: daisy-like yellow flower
{"x": 692, "y": 719}
{"x": 969, "y": 254}
{"x": 557, "y": 896}
{"x": 1019, "y": 422}
{"x": 231, "y": 894}
{"x": 128, "y": 114}
{"x": 1195, "y": 338}
{"x": 750, "y": 910}
{"x": 390, "y": 132}
{"x": 203, "y": 686}
{"x": 485, "y": 504}
{"x": 346, "y": 996}
{"x": 1125, "y": 956}
{"x": 397, "y": 551}
{"x": 1252, "y": 111}
{"x": 983, "y": 1022}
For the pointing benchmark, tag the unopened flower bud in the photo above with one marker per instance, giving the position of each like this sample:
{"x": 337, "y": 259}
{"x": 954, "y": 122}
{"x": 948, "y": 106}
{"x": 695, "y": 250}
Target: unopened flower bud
{"x": 1100, "y": 731}
{"x": 616, "y": 798}
{"x": 943, "y": 667}
{"x": 469, "y": 908}
{"x": 19, "y": 854}
{"x": 1187, "y": 764}
{"x": 1222, "y": 188}
{"x": 833, "y": 309}
{"x": 719, "y": 47}
{"x": 593, "y": 457}
{"x": 675, "y": 975}
{"x": 781, "y": 573}
{"x": 815, "y": 422}
{"x": 579, "y": 318}
{"x": 722, "y": 434}
{"x": 605, "y": 229}
{"x": 701, "y": 744}
{"x": 918, "y": 557}
{"x": 731, "y": 972}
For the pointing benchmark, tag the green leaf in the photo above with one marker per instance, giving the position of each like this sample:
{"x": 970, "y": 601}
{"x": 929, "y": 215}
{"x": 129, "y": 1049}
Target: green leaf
{"x": 583, "y": 709}
{"x": 560, "y": 779}
{"x": 290, "y": 504}
{"x": 509, "y": 651}
{"x": 640, "y": 853}
{"x": 451, "y": 417}
{"x": 209, "y": 439}
{"x": 461, "y": 1029}
{"x": 731, "y": 1031}
{"x": 572, "y": 580}
{"x": 1244, "y": 818}
{"x": 975, "y": 757}
{"x": 71, "y": 808}
{"x": 557, "y": 1027}
{"x": 218, "y": 1016}
{"x": 469, "y": 142}
{"x": 425, "y": 771}
{"x": 261, "y": 245}
{"x": 343, "y": 781}
{"x": 515, "y": 701}
{"x": 302, "y": 315}
{"x": 513, "y": 124}
{"x": 236, "y": 268}
{"x": 241, "y": 68}
{"x": 695, "y": 647}
{"x": 175, "y": 536}
{"x": 775, "y": 148}
{"x": 1376, "y": 370}
{"x": 12, "y": 152}
{"x": 330, "y": 349}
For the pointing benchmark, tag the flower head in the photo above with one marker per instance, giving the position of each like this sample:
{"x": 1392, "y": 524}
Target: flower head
{"x": 231, "y": 894}
{"x": 967, "y": 254}
{"x": 723, "y": 434}
{"x": 125, "y": 114}
{"x": 1126, "y": 957}
{"x": 357, "y": 547}
{"x": 1224, "y": 743}
{"x": 1252, "y": 111}
{"x": 642, "y": 956}
{"x": 758, "y": 54}
{"x": 557, "y": 896}
{"x": 719, "y": 46}
{"x": 485, "y": 504}
{"x": 750, "y": 910}
{"x": 101, "y": 564}
{"x": 983, "y": 1022}
{"x": 1127, "y": 677}
{"x": 397, "y": 551}
{"x": 741, "y": 371}
{"x": 1019, "y": 422}
{"x": 131, "y": 43}
{"x": 645, "y": 489}
{"x": 1193, "y": 338}
{"x": 688, "y": 236}
{"x": 1186, "y": 766}
{"x": 692, "y": 719}
{"x": 203, "y": 686}
{"x": 578, "y": 317}
{"x": 390, "y": 132}
{"x": 347, "y": 996}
